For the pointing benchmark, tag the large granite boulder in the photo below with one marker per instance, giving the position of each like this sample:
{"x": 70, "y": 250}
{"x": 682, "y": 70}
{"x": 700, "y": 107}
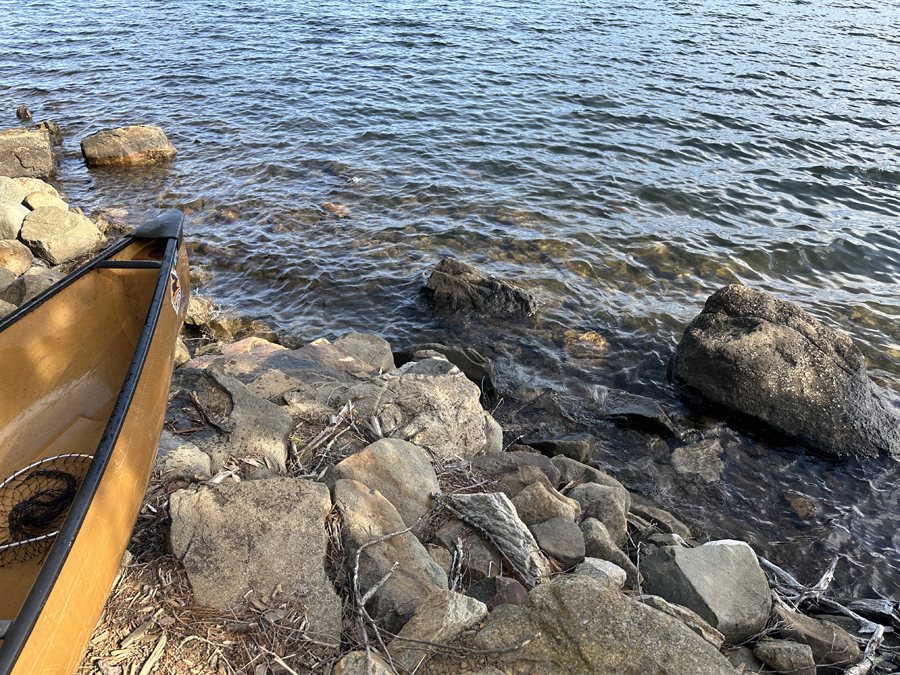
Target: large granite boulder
{"x": 579, "y": 626}
{"x": 26, "y": 152}
{"x": 126, "y": 145}
{"x": 722, "y": 583}
{"x": 372, "y": 349}
{"x": 58, "y": 236}
{"x": 251, "y": 537}
{"x": 607, "y": 504}
{"x": 769, "y": 360}
{"x": 454, "y": 286}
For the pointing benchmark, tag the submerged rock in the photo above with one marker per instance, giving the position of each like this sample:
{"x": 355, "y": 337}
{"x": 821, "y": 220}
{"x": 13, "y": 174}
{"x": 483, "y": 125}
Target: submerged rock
{"x": 455, "y": 286}
{"x": 577, "y": 447}
{"x": 769, "y": 360}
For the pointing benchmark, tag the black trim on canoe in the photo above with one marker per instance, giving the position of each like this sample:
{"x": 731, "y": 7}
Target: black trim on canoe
{"x": 164, "y": 226}
{"x": 18, "y": 633}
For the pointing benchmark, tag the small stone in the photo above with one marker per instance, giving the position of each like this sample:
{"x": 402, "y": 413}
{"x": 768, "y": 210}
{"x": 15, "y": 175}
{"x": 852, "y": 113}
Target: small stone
{"x": 180, "y": 456}
{"x": 480, "y": 558}
{"x": 561, "y": 539}
{"x": 536, "y": 504}
{"x": 496, "y": 591}
{"x": 604, "y": 572}
{"x": 37, "y": 199}
{"x": 23, "y": 113}
{"x": 501, "y": 463}
{"x": 598, "y": 544}
{"x": 607, "y": 504}
{"x": 15, "y": 256}
{"x": 786, "y": 657}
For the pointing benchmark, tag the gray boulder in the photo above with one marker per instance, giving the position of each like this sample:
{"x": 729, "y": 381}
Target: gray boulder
{"x": 374, "y": 350}
{"x": 454, "y": 286}
{"x": 577, "y": 446}
{"x": 58, "y": 236}
{"x": 607, "y": 504}
{"x": 635, "y": 411}
{"x": 253, "y": 537}
{"x": 561, "y": 539}
{"x": 690, "y": 619}
{"x": 598, "y": 544}
{"x": 499, "y": 464}
{"x": 768, "y": 359}
{"x": 400, "y": 471}
{"x": 722, "y": 583}
{"x": 476, "y": 367}
{"x": 11, "y": 218}
{"x": 429, "y": 403}
{"x": 126, "y": 145}
{"x": 602, "y": 571}
{"x": 784, "y": 656}
{"x": 579, "y": 626}
{"x": 175, "y": 454}
{"x": 34, "y": 281}
{"x": 25, "y": 152}
{"x": 830, "y": 644}
{"x": 366, "y": 516}
{"x": 15, "y": 256}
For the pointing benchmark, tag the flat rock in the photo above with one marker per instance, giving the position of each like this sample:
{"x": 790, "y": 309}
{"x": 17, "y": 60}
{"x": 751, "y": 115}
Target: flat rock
{"x": 661, "y": 518}
{"x": 25, "y": 152}
{"x": 475, "y": 366}
{"x": 561, "y": 539}
{"x": 252, "y": 537}
{"x": 638, "y": 412}
{"x": 723, "y": 584}
{"x": 454, "y": 286}
{"x": 126, "y": 145}
{"x": 830, "y": 644}
{"x": 400, "y": 471}
{"x": 366, "y": 516}
{"x": 429, "y": 403}
{"x": 180, "y": 456}
{"x": 495, "y": 591}
{"x": 770, "y": 361}
{"x": 577, "y": 446}
{"x": 691, "y": 619}
{"x": 372, "y": 349}
{"x": 494, "y": 515}
{"x": 582, "y": 627}
{"x": 480, "y": 558}
{"x": 38, "y": 198}
{"x": 58, "y": 236}
{"x": 604, "y": 572}
{"x": 607, "y": 504}
{"x": 784, "y": 656}
{"x": 11, "y": 218}
{"x": 498, "y": 464}
{"x": 537, "y": 503}
{"x": 702, "y": 459}
{"x": 33, "y": 282}
{"x": 599, "y": 544}
{"x": 440, "y": 618}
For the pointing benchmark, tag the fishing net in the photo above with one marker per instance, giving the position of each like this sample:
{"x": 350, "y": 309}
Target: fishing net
{"x": 34, "y": 502}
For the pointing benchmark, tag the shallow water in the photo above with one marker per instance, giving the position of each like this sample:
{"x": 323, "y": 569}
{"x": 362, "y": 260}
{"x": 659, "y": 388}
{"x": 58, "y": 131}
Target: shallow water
{"x": 622, "y": 160}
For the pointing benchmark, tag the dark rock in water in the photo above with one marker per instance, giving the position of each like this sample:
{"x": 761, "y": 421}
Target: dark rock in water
{"x": 23, "y": 113}
{"x": 496, "y": 591}
{"x": 769, "y": 360}
{"x": 577, "y": 446}
{"x": 455, "y": 286}
{"x": 476, "y": 367}
{"x": 25, "y": 153}
{"x": 639, "y": 412}
{"x": 52, "y": 128}
{"x": 498, "y": 464}
{"x": 127, "y": 145}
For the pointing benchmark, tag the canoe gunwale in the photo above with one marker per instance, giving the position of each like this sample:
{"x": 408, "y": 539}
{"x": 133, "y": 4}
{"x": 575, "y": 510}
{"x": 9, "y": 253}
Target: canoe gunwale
{"x": 18, "y": 632}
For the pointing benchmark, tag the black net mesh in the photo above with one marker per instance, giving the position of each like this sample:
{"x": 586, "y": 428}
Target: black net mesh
{"x": 34, "y": 502}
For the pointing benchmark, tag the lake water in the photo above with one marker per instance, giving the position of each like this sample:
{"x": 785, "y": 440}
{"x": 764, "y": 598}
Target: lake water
{"x": 622, "y": 160}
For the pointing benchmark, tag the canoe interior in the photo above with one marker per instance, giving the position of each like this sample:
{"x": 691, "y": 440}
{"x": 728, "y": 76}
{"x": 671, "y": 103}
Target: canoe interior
{"x": 63, "y": 365}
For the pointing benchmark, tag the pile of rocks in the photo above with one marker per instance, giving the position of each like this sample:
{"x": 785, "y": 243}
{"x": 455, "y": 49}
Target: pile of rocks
{"x": 542, "y": 563}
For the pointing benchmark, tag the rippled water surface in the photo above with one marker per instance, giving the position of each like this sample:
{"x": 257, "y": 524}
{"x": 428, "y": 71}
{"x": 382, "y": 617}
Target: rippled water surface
{"x": 623, "y": 161}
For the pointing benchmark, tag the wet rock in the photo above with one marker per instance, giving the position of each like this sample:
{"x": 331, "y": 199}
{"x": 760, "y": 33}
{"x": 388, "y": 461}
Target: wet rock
{"x": 252, "y": 537}
{"x": 38, "y": 199}
{"x": 440, "y": 618}
{"x": 58, "y": 236}
{"x": 11, "y": 218}
{"x": 537, "y": 503}
{"x": 429, "y": 403}
{"x": 126, "y": 145}
{"x": 768, "y": 359}
{"x": 177, "y": 455}
{"x": 620, "y": 637}
{"x": 571, "y": 471}
{"x": 786, "y": 657}
{"x": 662, "y": 519}
{"x": 723, "y": 584}
{"x": 366, "y": 516}
{"x": 603, "y": 572}
{"x": 577, "y": 447}
{"x": 400, "y": 471}
{"x": 495, "y": 591}
{"x": 498, "y": 464}
{"x": 598, "y": 544}
{"x": 701, "y": 459}
{"x": 561, "y": 539}
{"x": 803, "y": 505}
{"x": 25, "y": 152}
{"x": 454, "y": 286}
{"x": 690, "y": 619}
{"x": 23, "y": 113}
{"x": 476, "y": 367}
{"x": 635, "y": 411}
{"x": 607, "y": 504}
{"x": 374, "y": 350}
{"x": 34, "y": 281}
{"x": 480, "y": 558}
{"x": 494, "y": 515}
{"x": 52, "y": 128}
{"x": 829, "y": 643}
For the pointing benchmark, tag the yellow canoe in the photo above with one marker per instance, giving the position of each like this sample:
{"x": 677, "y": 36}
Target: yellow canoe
{"x": 85, "y": 369}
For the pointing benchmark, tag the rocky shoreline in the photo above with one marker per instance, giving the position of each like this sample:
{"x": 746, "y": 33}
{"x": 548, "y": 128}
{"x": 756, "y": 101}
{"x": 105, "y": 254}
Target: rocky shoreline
{"x": 356, "y": 507}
